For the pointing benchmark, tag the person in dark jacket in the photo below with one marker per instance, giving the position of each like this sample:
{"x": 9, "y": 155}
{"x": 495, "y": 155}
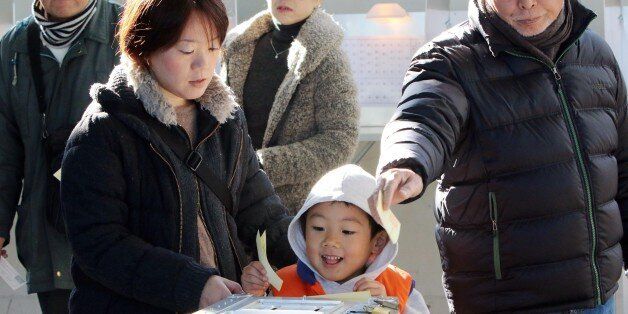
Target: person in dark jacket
{"x": 74, "y": 46}
{"x": 520, "y": 113}
{"x": 149, "y": 232}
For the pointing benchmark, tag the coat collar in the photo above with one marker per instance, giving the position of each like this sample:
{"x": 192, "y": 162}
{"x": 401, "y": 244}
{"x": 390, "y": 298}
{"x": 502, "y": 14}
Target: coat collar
{"x": 498, "y": 43}
{"x": 218, "y": 99}
{"x": 320, "y": 37}
{"x": 99, "y": 29}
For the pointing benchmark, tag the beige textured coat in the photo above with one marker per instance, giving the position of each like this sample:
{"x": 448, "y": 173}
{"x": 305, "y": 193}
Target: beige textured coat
{"x": 321, "y": 127}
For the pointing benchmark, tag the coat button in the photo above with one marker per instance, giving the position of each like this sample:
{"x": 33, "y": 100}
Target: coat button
{"x": 59, "y": 274}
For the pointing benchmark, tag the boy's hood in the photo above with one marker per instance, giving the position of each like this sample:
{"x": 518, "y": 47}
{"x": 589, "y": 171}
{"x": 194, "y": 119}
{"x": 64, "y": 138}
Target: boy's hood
{"x": 350, "y": 184}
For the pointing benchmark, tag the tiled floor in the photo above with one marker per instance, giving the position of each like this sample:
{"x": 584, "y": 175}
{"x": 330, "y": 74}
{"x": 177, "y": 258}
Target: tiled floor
{"x": 17, "y": 302}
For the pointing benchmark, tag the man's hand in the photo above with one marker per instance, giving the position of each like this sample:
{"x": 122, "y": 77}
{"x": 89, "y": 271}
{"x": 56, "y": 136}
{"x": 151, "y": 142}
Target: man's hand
{"x": 397, "y": 185}
{"x": 217, "y": 288}
{"x": 3, "y": 252}
{"x": 376, "y": 288}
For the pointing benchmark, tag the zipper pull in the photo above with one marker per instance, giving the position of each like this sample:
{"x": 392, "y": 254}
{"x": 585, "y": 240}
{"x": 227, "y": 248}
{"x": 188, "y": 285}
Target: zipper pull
{"x": 556, "y": 74}
{"x": 492, "y": 203}
{"x": 44, "y": 128}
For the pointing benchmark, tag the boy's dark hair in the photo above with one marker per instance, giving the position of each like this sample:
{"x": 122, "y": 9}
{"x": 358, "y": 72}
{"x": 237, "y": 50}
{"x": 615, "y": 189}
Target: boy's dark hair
{"x": 375, "y": 227}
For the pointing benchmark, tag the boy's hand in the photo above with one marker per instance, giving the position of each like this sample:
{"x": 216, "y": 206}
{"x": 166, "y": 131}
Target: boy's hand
{"x": 254, "y": 280}
{"x": 376, "y": 288}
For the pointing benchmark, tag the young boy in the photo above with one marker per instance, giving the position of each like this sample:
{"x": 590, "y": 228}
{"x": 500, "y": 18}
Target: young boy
{"x": 340, "y": 246}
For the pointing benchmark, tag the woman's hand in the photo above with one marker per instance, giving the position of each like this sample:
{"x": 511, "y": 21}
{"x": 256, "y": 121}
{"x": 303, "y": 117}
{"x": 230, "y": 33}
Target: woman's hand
{"x": 376, "y": 288}
{"x": 217, "y": 288}
{"x": 254, "y": 280}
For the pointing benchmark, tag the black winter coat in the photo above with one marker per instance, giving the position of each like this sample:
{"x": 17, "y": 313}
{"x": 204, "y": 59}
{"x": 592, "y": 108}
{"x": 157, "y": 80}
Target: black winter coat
{"x": 131, "y": 206}
{"x": 534, "y": 164}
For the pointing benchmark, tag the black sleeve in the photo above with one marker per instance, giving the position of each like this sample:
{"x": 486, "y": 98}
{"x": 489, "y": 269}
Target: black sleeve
{"x": 430, "y": 118}
{"x": 12, "y": 148}
{"x": 622, "y": 159}
{"x": 261, "y": 209}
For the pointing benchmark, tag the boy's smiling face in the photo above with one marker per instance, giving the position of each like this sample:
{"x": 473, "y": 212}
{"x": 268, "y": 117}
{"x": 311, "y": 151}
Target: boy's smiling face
{"x": 338, "y": 240}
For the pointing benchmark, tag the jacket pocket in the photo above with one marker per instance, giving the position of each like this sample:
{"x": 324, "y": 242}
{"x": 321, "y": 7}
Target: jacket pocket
{"x": 492, "y": 200}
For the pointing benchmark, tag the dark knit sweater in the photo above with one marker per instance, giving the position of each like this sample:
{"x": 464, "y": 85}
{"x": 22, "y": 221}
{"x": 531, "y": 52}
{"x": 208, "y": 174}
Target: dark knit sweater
{"x": 267, "y": 72}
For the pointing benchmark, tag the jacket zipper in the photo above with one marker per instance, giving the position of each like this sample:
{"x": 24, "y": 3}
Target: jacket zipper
{"x": 178, "y": 194}
{"x": 584, "y": 175}
{"x": 235, "y": 252}
{"x": 497, "y": 265}
{"x": 198, "y": 195}
{"x": 46, "y": 113}
{"x": 237, "y": 159}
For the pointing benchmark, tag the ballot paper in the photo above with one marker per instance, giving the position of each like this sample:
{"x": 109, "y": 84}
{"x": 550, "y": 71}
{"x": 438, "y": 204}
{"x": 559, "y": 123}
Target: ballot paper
{"x": 261, "y": 255}
{"x": 58, "y": 174}
{"x": 382, "y": 310}
{"x": 10, "y": 275}
{"x": 390, "y": 223}
{"x": 360, "y": 296}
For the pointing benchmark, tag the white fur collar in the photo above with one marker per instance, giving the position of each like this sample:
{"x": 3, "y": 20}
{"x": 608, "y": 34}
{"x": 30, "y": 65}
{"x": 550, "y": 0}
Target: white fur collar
{"x": 218, "y": 99}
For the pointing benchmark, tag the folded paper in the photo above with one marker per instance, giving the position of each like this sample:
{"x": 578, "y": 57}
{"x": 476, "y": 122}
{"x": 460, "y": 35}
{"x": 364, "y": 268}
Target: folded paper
{"x": 389, "y": 221}
{"x": 274, "y": 280}
{"x": 58, "y": 174}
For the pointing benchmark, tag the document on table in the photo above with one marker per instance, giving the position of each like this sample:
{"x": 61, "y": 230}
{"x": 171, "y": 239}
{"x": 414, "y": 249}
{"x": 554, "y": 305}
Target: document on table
{"x": 361, "y": 296}
{"x": 389, "y": 221}
{"x": 261, "y": 255}
{"x": 10, "y": 275}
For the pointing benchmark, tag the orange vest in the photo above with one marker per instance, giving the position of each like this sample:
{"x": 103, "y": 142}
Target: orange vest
{"x": 398, "y": 283}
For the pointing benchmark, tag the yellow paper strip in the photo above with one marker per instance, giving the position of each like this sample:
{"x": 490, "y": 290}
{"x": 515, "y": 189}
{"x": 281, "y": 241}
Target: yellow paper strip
{"x": 261, "y": 255}
{"x": 360, "y": 296}
{"x": 389, "y": 221}
{"x": 381, "y": 310}
{"x": 58, "y": 174}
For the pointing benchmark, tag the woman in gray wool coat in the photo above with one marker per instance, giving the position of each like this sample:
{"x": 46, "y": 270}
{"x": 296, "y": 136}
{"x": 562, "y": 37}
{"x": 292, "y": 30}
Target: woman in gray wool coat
{"x": 294, "y": 82}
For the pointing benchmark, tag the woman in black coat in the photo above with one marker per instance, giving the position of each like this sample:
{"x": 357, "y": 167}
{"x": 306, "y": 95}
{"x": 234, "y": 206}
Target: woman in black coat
{"x": 149, "y": 235}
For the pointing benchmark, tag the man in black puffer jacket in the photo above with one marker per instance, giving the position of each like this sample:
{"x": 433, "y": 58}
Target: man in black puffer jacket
{"x": 527, "y": 130}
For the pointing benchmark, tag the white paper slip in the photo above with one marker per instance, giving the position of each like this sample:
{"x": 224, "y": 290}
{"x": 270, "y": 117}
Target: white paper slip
{"x": 58, "y": 174}
{"x": 261, "y": 255}
{"x": 10, "y": 275}
{"x": 389, "y": 221}
{"x": 360, "y": 296}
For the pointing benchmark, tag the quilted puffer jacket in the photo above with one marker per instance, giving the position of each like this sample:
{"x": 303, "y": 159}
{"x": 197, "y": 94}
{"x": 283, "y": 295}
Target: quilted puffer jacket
{"x": 532, "y": 162}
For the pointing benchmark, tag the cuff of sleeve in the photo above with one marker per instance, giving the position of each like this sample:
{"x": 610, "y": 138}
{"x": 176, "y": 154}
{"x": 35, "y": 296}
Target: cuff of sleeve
{"x": 190, "y": 284}
{"x": 6, "y": 234}
{"x": 413, "y": 165}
